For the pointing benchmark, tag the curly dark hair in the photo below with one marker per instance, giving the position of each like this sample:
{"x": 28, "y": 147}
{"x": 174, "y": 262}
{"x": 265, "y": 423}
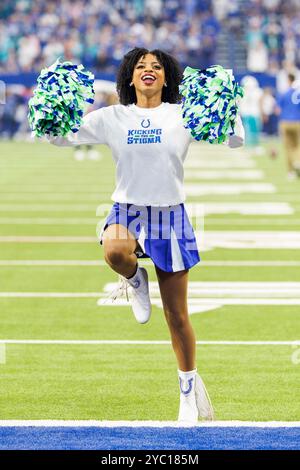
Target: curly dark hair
{"x": 173, "y": 75}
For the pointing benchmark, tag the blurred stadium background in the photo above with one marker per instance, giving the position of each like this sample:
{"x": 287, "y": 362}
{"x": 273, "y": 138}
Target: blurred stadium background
{"x": 259, "y": 37}
{"x": 244, "y": 296}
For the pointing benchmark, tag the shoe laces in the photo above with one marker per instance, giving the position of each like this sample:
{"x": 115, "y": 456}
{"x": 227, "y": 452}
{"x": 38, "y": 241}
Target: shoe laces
{"x": 122, "y": 287}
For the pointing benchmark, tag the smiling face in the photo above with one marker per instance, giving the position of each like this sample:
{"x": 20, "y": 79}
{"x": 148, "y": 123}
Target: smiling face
{"x": 148, "y": 76}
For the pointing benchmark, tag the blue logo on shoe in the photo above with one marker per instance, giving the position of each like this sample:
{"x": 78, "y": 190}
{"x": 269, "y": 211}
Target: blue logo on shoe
{"x": 190, "y": 385}
{"x": 137, "y": 284}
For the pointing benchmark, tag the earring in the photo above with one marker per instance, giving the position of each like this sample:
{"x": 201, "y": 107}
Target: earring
{"x": 165, "y": 84}
{"x": 130, "y": 84}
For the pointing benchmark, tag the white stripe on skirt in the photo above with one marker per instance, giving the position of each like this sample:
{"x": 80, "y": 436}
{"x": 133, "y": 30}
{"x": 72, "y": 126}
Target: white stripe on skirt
{"x": 177, "y": 261}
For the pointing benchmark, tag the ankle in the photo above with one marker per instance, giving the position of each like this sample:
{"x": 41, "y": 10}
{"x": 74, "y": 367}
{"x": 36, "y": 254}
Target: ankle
{"x": 134, "y": 273}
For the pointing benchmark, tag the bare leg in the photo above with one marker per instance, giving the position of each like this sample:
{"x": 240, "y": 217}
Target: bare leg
{"x": 119, "y": 246}
{"x": 173, "y": 290}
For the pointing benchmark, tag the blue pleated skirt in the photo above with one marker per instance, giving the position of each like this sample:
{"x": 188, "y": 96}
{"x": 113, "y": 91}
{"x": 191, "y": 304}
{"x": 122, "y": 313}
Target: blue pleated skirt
{"x": 164, "y": 234}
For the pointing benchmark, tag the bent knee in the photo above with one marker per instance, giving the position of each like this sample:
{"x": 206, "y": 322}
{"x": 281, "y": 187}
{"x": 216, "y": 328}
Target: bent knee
{"x": 115, "y": 255}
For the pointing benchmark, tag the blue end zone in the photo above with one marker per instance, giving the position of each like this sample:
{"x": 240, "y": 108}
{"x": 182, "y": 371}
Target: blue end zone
{"x": 145, "y": 438}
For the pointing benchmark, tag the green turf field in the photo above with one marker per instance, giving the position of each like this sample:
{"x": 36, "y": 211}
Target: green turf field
{"x": 48, "y": 216}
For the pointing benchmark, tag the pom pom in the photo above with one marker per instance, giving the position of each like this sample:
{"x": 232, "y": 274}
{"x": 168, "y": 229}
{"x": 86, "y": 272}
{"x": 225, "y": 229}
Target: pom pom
{"x": 59, "y": 99}
{"x": 210, "y": 103}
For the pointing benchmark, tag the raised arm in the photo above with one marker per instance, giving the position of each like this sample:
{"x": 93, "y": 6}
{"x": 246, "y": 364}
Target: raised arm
{"x": 92, "y": 131}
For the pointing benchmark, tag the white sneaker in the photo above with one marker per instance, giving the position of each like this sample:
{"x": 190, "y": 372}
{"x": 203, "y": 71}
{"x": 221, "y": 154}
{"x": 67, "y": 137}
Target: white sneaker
{"x": 188, "y": 411}
{"x": 194, "y": 401}
{"x": 140, "y": 299}
{"x": 203, "y": 402}
{"x": 138, "y": 287}
{"x": 79, "y": 155}
{"x": 94, "y": 154}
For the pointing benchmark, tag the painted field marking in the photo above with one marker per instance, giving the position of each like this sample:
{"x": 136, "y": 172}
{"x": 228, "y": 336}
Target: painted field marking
{"x": 281, "y": 240}
{"x": 223, "y": 174}
{"x": 47, "y": 221}
{"x": 136, "y": 424}
{"x": 92, "y": 221}
{"x": 202, "y": 296}
{"x": 44, "y": 208}
{"x": 231, "y": 292}
{"x": 55, "y": 196}
{"x": 96, "y": 263}
{"x": 91, "y": 342}
{"x": 256, "y": 222}
{"x": 244, "y": 208}
{"x": 206, "y": 296}
{"x": 2, "y": 353}
{"x": 206, "y": 240}
{"x": 229, "y": 188}
{"x": 217, "y": 164}
{"x": 47, "y": 239}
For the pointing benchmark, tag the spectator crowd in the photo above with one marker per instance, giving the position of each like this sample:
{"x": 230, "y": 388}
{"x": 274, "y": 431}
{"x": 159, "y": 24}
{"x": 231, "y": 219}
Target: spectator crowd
{"x": 273, "y": 34}
{"x": 97, "y": 33}
{"x": 33, "y": 33}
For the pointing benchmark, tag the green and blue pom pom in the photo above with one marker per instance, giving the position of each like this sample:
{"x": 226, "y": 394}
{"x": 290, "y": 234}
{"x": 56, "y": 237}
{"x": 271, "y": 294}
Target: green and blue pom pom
{"x": 210, "y": 103}
{"x": 62, "y": 93}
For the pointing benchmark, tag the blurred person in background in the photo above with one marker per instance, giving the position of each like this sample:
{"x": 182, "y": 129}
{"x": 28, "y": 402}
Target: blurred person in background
{"x": 8, "y": 121}
{"x": 282, "y": 77}
{"x": 251, "y": 112}
{"x": 258, "y": 57}
{"x": 289, "y": 125}
{"x": 269, "y": 115}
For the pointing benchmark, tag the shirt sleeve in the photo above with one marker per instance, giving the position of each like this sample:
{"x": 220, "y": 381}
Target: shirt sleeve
{"x": 238, "y": 138}
{"x": 92, "y": 131}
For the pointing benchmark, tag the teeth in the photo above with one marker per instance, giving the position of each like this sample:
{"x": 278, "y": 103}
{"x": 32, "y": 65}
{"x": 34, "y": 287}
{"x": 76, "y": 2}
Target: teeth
{"x": 148, "y": 76}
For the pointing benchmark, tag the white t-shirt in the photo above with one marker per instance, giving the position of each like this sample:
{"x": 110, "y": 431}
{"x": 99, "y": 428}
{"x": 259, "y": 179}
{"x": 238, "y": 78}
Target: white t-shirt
{"x": 149, "y": 146}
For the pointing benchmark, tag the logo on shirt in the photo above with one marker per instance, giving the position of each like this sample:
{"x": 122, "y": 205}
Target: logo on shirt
{"x": 145, "y": 135}
{"x": 145, "y": 123}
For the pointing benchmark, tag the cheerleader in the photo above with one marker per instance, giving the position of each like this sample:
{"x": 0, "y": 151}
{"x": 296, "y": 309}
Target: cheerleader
{"x": 149, "y": 144}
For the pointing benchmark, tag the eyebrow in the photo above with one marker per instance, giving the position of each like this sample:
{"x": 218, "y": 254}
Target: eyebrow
{"x": 142, "y": 62}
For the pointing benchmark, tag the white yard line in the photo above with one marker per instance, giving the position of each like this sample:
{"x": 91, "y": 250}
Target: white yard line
{"x": 50, "y": 295}
{"x": 227, "y": 293}
{"x": 54, "y": 197}
{"x": 243, "y": 208}
{"x": 147, "y": 263}
{"x": 93, "y": 221}
{"x": 248, "y": 222}
{"x": 149, "y": 424}
{"x": 248, "y": 239}
{"x": 144, "y": 342}
{"x": 206, "y": 240}
{"x": 217, "y": 164}
{"x": 221, "y": 175}
{"x": 49, "y": 207}
{"x": 201, "y": 189}
{"x": 47, "y": 221}
{"x": 47, "y": 239}
{"x": 207, "y": 296}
